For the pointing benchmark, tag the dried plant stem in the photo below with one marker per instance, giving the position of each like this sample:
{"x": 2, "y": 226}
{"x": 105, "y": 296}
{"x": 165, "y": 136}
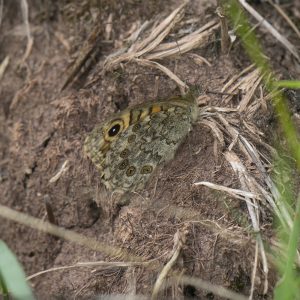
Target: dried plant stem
{"x": 68, "y": 235}
{"x": 182, "y": 86}
{"x": 179, "y": 240}
{"x": 3, "y": 66}
{"x": 225, "y": 38}
{"x": 90, "y": 264}
{"x": 24, "y": 8}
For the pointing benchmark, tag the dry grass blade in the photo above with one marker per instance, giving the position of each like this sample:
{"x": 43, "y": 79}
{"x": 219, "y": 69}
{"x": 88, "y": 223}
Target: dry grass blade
{"x": 160, "y": 32}
{"x": 149, "y": 43}
{"x": 215, "y": 289}
{"x": 186, "y": 38}
{"x": 199, "y": 60}
{"x": 182, "y": 86}
{"x": 254, "y": 270}
{"x": 24, "y": 8}
{"x": 164, "y": 27}
{"x": 129, "y": 48}
{"x": 152, "y": 49}
{"x": 252, "y": 86}
{"x": 64, "y": 168}
{"x": 251, "y": 128}
{"x": 279, "y": 208}
{"x": 3, "y": 66}
{"x": 179, "y": 241}
{"x": 211, "y": 110}
{"x": 135, "y": 35}
{"x": 233, "y": 133}
{"x": 273, "y": 200}
{"x": 235, "y": 235}
{"x": 183, "y": 45}
{"x": 98, "y": 246}
{"x": 248, "y": 183}
{"x": 235, "y": 77}
{"x": 216, "y": 131}
{"x": 68, "y": 235}
{"x": 239, "y": 194}
{"x": 247, "y": 84}
{"x": 287, "y": 44}
{"x": 108, "y": 27}
{"x": 285, "y": 16}
{"x": 90, "y": 264}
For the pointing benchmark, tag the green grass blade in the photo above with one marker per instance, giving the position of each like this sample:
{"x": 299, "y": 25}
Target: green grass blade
{"x": 254, "y": 50}
{"x": 3, "y": 289}
{"x": 291, "y": 84}
{"x": 288, "y": 287}
{"x": 12, "y": 276}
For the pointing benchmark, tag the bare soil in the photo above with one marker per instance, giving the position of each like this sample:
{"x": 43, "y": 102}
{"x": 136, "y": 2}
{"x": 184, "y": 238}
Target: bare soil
{"x": 42, "y": 127}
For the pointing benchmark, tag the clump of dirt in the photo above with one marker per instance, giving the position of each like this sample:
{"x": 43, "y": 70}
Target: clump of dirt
{"x": 43, "y": 128}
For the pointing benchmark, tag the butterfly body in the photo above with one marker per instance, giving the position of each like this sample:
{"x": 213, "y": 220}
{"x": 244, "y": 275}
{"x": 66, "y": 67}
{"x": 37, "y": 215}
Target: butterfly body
{"x": 129, "y": 146}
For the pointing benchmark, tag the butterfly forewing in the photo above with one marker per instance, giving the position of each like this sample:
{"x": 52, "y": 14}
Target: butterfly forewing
{"x": 129, "y": 146}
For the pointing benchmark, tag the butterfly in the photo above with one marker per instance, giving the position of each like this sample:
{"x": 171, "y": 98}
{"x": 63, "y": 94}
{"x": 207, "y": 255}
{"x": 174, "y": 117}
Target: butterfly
{"x": 130, "y": 145}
